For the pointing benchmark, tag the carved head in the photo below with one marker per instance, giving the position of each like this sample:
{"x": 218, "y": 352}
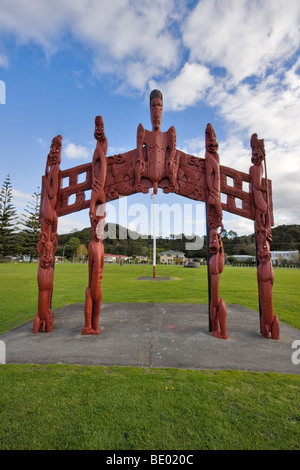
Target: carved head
{"x": 258, "y": 149}
{"x": 211, "y": 143}
{"x": 54, "y": 156}
{"x": 46, "y": 248}
{"x": 264, "y": 256}
{"x": 215, "y": 242}
{"x": 99, "y": 133}
{"x": 156, "y": 109}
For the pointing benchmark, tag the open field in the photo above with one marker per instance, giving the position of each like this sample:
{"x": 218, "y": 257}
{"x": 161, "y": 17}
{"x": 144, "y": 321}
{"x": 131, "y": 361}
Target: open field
{"x": 114, "y": 408}
{"x": 18, "y": 288}
{"x": 127, "y": 408}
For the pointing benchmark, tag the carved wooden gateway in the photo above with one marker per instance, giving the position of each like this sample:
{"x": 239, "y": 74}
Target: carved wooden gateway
{"x": 156, "y": 163}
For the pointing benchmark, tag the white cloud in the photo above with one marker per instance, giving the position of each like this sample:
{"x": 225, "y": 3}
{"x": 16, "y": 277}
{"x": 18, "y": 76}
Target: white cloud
{"x": 68, "y": 223}
{"x": 245, "y": 37}
{"x": 129, "y": 39}
{"x": 76, "y": 152}
{"x": 20, "y": 200}
{"x": 187, "y": 88}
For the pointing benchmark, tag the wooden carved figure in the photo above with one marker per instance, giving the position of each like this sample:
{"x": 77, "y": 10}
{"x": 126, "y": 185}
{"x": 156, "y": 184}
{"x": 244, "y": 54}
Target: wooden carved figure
{"x": 156, "y": 150}
{"x": 217, "y": 306}
{"x": 213, "y": 180}
{"x": 256, "y": 174}
{"x": 269, "y": 324}
{"x": 93, "y": 295}
{"x": 48, "y": 238}
{"x": 44, "y": 319}
{"x": 99, "y": 169}
{"x": 93, "y": 299}
{"x": 48, "y": 213}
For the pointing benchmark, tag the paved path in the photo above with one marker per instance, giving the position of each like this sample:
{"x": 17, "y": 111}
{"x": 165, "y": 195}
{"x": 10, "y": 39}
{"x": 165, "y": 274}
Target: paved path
{"x": 154, "y": 335}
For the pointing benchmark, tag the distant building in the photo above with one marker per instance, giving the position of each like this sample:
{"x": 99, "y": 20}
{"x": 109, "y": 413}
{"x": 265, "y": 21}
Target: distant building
{"x": 171, "y": 257}
{"x": 243, "y": 258}
{"x": 277, "y": 257}
{"x": 280, "y": 256}
{"x": 116, "y": 259}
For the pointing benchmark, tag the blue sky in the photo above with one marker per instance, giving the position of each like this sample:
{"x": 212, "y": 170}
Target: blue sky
{"x": 234, "y": 63}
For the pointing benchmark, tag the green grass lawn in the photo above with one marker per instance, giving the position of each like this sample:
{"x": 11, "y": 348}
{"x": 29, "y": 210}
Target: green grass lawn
{"x": 115, "y": 408}
{"x": 19, "y": 290}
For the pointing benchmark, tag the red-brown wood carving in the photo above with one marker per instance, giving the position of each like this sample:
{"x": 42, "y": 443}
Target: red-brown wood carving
{"x": 217, "y": 307}
{"x": 269, "y": 323}
{"x": 155, "y": 163}
{"x": 48, "y": 237}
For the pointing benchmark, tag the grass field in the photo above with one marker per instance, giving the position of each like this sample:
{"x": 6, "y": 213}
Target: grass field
{"x": 18, "y": 288}
{"x": 114, "y": 408}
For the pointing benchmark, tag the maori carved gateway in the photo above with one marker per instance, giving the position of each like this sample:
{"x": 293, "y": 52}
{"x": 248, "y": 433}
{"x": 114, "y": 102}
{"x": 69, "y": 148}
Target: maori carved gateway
{"x": 156, "y": 163}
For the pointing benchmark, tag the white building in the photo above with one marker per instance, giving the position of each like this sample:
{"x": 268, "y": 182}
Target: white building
{"x": 284, "y": 255}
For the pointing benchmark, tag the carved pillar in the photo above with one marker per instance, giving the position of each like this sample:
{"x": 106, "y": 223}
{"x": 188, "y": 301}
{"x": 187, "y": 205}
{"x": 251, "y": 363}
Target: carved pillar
{"x": 93, "y": 297}
{"x": 269, "y": 324}
{"x": 217, "y": 309}
{"x": 48, "y": 238}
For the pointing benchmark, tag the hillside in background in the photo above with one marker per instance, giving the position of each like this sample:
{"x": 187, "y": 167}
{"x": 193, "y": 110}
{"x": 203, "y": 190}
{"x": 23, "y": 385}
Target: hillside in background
{"x": 120, "y": 241}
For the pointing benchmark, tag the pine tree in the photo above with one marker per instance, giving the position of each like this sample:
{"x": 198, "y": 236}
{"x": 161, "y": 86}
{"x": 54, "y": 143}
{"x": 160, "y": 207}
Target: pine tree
{"x": 7, "y": 219}
{"x": 30, "y": 234}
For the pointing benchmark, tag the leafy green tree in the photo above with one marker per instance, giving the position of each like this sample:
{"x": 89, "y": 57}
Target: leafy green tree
{"x": 82, "y": 252}
{"x": 30, "y": 220}
{"x": 7, "y": 220}
{"x": 71, "y": 247}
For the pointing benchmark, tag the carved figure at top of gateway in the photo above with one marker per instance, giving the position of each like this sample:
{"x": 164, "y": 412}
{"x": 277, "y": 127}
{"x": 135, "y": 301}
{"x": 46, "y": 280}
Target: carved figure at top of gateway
{"x": 156, "y": 151}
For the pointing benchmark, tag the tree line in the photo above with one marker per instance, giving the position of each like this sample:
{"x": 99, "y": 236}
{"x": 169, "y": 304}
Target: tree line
{"x": 19, "y": 236}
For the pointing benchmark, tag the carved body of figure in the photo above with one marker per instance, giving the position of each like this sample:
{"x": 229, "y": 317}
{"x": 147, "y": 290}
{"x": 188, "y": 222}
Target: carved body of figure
{"x": 269, "y": 324}
{"x": 93, "y": 299}
{"x": 99, "y": 169}
{"x": 217, "y": 306}
{"x": 48, "y": 213}
{"x": 159, "y": 159}
{"x": 213, "y": 180}
{"x": 44, "y": 319}
{"x": 256, "y": 175}
{"x": 48, "y": 238}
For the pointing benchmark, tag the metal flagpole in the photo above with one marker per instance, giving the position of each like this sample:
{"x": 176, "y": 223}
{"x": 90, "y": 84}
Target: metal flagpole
{"x": 154, "y": 236}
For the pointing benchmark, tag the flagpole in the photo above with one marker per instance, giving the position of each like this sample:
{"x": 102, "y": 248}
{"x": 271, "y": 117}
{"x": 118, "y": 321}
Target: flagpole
{"x": 154, "y": 237}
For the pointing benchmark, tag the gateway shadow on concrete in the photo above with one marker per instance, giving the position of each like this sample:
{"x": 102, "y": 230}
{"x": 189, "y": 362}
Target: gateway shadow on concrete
{"x": 154, "y": 335}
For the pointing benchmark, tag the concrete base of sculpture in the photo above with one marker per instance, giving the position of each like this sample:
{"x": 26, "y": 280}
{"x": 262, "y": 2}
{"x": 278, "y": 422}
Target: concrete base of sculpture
{"x": 155, "y": 335}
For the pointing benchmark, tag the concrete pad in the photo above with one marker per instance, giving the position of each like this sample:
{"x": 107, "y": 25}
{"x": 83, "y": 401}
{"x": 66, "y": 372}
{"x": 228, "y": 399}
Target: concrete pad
{"x": 155, "y": 335}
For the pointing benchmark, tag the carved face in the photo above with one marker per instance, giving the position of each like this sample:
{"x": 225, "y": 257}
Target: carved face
{"x": 156, "y": 109}
{"x": 258, "y": 149}
{"x": 211, "y": 142}
{"x": 99, "y": 128}
{"x": 257, "y": 156}
{"x": 47, "y": 254}
{"x": 214, "y": 241}
{"x": 264, "y": 257}
{"x": 54, "y": 156}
